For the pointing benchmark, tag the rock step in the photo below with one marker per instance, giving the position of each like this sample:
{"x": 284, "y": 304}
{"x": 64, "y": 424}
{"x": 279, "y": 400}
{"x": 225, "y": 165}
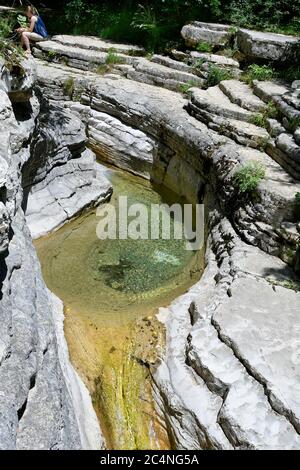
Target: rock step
{"x": 242, "y": 132}
{"x": 84, "y": 59}
{"x": 214, "y": 101}
{"x": 286, "y": 152}
{"x": 163, "y": 103}
{"x": 267, "y": 90}
{"x": 213, "y": 34}
{"x": 225, "y": 376}
{"x": 139, "y": 69}
{"x": 292, "y": 98}
{"x": 268, "y": 46}
{"x": 241, "y": 94}
{"x": 97, "y": 44}
{"x": 173, "y": 64}
{"x": 216, "y": 59}
{"x": 156, "y": 74}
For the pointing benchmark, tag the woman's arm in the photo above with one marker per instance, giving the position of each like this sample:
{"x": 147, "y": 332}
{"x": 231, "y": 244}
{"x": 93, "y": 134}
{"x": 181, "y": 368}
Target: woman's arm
{"x": 32, "y": 24}
{"x": 30, "y": 28}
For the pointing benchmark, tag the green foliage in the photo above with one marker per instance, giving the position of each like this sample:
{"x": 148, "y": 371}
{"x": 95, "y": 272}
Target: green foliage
{"x": 259, "y": 72}
{"x": 198, "y": 63}
{"x": 294, "y": 123}
{"x": 22, "y": 21}
{"x": 247, "y": 178}
{"x": 113, "y": 58}
{"x": 185, "y": 87}
{"x": 216, "y": 75}
{"x": 290, "y": 74}
{"x": 52, "y": 54}
{"x": 204, "y": 47}
{"x": 145, "y": 20}
{"x": 157, "y": 22}
{"x": 297, "y": 197}
{"x": 261, "y": 119}
{"x": 68, "y": 86}
{"x": 5, "y": 27}
{"x": 280, "y": 16}
{"x": 13, "y": 55}
{"x": 102, "y": 69}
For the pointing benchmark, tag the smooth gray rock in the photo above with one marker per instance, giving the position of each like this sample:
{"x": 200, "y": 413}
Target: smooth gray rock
{"x": 37, "y": 382}
{"x": 97, "y": 44}
{"x": 240, "y": 93}
{"x": 267, "y": 46}
{"x": 214, "y": 34}
{"x": 203, "y": 364}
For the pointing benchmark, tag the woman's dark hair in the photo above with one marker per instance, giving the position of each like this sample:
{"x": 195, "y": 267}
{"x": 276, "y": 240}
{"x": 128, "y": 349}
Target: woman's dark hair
{"x": 31, "y": 9}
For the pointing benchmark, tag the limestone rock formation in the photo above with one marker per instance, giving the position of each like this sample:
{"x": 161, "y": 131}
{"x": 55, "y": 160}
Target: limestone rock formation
{"x": 267, "y": 46}
{"x": 229, "y": 376}
{"x": 211, "y": 33}
{"x": 41, "y": 396}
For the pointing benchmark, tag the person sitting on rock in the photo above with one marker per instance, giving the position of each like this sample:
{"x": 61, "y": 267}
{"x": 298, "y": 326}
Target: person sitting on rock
{"x": 35, "y": 32}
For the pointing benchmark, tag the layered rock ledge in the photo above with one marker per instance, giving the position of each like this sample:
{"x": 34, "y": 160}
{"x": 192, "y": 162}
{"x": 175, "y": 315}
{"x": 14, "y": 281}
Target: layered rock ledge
{"x": 43, "y": 402}
{"x": 229, "y": 377}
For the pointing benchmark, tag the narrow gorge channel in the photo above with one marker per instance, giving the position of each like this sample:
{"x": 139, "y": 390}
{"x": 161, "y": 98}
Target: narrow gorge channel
{"x": 111, "y": 291}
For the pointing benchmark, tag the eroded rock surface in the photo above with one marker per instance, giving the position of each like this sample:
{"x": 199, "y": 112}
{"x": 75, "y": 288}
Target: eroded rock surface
{"x": 229, "y": 378}
{"x": 41, "y": 396}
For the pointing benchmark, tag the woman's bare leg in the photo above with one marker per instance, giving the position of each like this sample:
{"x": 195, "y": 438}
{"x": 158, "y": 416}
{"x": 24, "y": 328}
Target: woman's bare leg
{"x": 25, "y": 41}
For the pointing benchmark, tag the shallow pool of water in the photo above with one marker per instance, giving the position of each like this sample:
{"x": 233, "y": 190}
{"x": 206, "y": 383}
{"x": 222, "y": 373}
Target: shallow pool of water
{"x": 111, "y": 289}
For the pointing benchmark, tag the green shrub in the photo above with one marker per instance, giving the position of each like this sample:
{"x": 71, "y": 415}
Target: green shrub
{"x": 204, "y": 47}
{"x": 247, "y": 178}
{"x": 102, "y": 69}
{"x": 216, "y": 75}
{"x": 68, "y": 86}
{"x": 5, "y": 27}
{"x": 290, "y": 74}
{"x": 261, "y": 119}
{"x": 198, "y": 63}
{"x": 259, "y": 72}
{"x": 297, "y": 197}
{"x": 184, "y": 87}
{"x": 113, "y": 58}
{"x": 13, "y": 55}
{"x": 52, "y": 54}
{"x": 294, "y": 123}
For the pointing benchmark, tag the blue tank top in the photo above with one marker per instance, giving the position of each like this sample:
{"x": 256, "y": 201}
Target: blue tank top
{"x": 40, "y": 28}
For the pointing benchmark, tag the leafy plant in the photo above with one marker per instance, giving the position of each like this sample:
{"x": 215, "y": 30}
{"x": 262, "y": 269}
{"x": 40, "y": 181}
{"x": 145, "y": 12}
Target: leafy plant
{"x": 113, "y": 58}
{"x": 258, "y": 72}
{"x": 261, "y": 119}
{"x": 294, "y": 123}
{"x": 68, "y": 86}
{"x": 184, "y": 87}
{"x": 290, "y": 74}
{"x": 75, "y": 10}
{"x": 204, "y": 47}
{"x": 247, "y": 178}
{"x": 22, "y": 21}
{"x": 297, "y": 197}
{"x": 102, "y": 69}
{"x": 12, "y": 55}
{"x": 52, "y": 54}
{"x": 216, "y": 75}
{"x": 199, "y": 62}
{"x": 145, "y": 20}
{"x": 5, "y": 27}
